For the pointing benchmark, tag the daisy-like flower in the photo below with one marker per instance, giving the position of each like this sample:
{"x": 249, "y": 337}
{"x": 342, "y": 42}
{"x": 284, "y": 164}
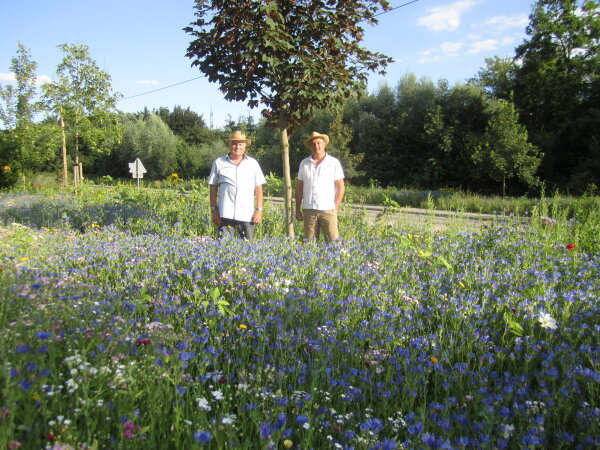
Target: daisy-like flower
{"x": 203, "y": 404}
{"x": 218, "y": 395}
{"x": 547, "y": 321}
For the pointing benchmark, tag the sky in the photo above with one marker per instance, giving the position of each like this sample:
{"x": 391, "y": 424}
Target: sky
{"x": 141, "y": 45}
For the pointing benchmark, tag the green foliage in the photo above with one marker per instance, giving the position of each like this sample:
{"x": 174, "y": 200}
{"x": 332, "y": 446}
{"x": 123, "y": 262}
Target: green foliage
{"x": 186, "y": 124}
{"x": 290, "y": 57}
{"x": 557, "y": 89}
{"x": 82, "y": 96}
{"x": 153, "y": 142}
{"x": 503, "y": 152}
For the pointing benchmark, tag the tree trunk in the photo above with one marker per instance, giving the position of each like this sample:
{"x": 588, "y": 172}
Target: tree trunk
{"x": 64, "y": 152}
{"x": 287, "y": 179}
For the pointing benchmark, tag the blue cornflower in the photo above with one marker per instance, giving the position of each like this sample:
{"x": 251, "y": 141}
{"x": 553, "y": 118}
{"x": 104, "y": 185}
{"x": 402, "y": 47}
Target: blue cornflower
{"x": 301, "y": 419}
{"x": 203, "y": 436}
{"x": 181, "y": 390}
{"x": 23, "y": 348}
{"x": 186, "y": 356}
{"x": 43, "y": 334}
{"x": 26, "y": 384}
{"x": 266, "y": 429}
{"x": 181, "y": 345}
{"x": 281, "y": 420}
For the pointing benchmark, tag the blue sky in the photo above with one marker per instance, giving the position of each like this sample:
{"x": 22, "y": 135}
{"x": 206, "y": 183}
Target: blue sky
{"x": 140, "y": 43}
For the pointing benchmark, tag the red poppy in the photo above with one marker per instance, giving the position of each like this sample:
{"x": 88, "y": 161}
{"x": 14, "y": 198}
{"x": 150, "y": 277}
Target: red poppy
{"x": 570, "y": 247}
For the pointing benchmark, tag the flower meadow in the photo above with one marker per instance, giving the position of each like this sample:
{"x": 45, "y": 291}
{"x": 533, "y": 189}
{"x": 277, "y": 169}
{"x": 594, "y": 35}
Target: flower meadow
{"x": 125, "y": 324}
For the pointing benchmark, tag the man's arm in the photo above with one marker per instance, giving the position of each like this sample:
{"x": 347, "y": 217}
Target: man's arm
{"x": 299, "y": 195}
{"x": 216, "y": 217}
{"x": 340, "y": 189}
{"x": 258, "y": 192}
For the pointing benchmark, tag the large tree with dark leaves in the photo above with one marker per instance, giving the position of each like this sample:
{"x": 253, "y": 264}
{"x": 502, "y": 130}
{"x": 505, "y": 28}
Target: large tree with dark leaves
{"x": 557, "y": 89}
{"x": 293, "y": 57}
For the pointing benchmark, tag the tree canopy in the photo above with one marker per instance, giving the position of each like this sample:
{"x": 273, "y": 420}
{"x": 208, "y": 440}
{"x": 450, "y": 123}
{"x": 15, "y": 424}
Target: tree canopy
{"x": 293, "y": 57}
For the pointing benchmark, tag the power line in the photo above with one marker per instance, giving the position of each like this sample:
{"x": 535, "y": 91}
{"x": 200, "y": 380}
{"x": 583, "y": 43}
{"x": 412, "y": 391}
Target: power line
{"x": 396, "y": 7}
{"x": 162, "y": 88}
{"x": 192, "y": 79}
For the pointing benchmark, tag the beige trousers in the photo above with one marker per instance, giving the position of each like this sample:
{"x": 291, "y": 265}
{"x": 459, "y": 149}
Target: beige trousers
{"x": 316, "y": 220}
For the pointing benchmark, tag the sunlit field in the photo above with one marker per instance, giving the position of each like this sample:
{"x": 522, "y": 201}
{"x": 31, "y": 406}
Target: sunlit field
{"x": 125, "y": 324}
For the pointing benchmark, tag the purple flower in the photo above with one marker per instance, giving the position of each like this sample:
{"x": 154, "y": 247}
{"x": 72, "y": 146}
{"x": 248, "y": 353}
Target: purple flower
{"x": 203, "y": 436}
{"x": 23, "y": 348}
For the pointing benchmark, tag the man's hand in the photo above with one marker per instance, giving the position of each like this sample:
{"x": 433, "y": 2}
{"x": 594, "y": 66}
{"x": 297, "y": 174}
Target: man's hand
{"x": 257, "y": 216}
{"x": 299, "y": 215}
{"x": 216, "y": 218}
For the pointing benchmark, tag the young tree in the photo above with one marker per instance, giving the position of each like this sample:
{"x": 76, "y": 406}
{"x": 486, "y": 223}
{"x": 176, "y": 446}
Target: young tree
{"x": 32, "y": 145}
{"x": 503, "y": 152}
{"x": 83, "y": 99}
{"x": 291, "y": 56}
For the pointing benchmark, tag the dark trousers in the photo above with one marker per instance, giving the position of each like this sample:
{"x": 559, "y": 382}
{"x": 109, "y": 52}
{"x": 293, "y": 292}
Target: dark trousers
{"x": 230, "y": 227}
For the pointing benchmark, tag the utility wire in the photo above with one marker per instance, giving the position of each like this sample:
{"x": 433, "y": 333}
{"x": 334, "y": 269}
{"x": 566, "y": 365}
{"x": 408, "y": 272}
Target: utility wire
{"x": 192, "y": 79}
{"x": 395, "y": 7}
{"x": 160, "y": 89}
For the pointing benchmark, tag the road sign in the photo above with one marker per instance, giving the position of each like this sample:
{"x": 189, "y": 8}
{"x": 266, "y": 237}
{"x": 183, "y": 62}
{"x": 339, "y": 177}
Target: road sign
{"x": 137, "y": 169}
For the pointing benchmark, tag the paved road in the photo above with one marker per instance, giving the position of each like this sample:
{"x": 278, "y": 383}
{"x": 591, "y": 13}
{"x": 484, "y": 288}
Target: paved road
{"x": 437, "y": 219}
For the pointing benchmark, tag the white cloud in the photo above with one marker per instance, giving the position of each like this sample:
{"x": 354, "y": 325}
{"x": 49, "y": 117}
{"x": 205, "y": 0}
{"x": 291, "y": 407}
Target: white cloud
{"x": 445, "y": 51}
{"x": 487, "y": 45}
{"x": 147, "y": 82}
{"x": 39, "y": 80}
{"x": 8, "y": 77}
{"x": 503, "y": 23}
{"x": 42, "y": 79}
{"x": 447, "y": 17}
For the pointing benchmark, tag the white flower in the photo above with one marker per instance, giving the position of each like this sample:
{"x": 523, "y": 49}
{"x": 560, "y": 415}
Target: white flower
{"x": 203, "y": 404}
{"x": 547, "y": 321}
{"x": 218, "y": 395}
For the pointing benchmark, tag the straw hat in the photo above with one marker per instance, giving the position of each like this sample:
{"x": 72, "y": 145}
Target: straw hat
{"x": 316, "y": 135}
{"x": 238, "y": 136}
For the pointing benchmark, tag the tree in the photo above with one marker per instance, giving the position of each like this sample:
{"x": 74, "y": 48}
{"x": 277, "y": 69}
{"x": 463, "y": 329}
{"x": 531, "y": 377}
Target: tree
{"x": 503, "y": 152}
{"x": 83, "y": 99}
{"x": 32, "y": 145}
{"x": 151, "y": 140}
{"x": 291, "y": 56}
{"x": 557, "y": 87}
{"x": 186, "y": 124}
{"x": 497, "y": 77}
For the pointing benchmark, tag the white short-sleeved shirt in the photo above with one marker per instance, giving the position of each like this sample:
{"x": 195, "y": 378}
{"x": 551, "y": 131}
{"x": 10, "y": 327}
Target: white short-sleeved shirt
{"x": 236, "y": 186}
{"x": 319, "y": 182}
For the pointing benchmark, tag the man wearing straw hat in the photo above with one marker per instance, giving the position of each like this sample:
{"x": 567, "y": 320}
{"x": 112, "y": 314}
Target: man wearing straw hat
{"x": 235, "y": 182}
{"x": 319, "y": 190}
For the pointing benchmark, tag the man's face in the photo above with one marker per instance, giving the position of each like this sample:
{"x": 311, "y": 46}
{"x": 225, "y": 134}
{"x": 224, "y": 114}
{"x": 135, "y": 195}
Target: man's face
{"x": 317, "y": 146}
{"x": 237, "y": 148}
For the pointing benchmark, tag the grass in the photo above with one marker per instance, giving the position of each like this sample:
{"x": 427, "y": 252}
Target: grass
{"x": 125, "y": 324}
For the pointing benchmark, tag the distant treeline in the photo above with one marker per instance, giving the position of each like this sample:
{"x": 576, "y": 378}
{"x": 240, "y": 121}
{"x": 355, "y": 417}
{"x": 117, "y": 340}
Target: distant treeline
{"x": 520, "y": 123}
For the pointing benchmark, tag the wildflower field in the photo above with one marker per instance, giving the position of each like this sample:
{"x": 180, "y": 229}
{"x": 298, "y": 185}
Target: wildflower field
{"x": 124, "y": 324}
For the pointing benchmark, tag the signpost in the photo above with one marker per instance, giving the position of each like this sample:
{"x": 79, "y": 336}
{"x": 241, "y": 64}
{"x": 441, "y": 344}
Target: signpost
{"x": 137, "y": 170}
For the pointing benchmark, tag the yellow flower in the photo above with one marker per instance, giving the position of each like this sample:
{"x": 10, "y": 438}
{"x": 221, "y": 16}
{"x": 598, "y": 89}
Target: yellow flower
{"x": 35, "y": 397}
{"x": 24, "y": 258}
{"x": 461, "y": 284}
{"x": 288, "y": 443}
{"x": 243, "y": 327}
{"x": 434, "y": 359}
{"x": 5, "y": 169}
